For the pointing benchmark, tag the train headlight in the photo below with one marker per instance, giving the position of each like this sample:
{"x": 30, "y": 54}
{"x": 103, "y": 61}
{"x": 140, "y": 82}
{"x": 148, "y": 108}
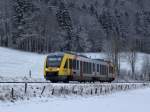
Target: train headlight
{"x": 46, "y": 69}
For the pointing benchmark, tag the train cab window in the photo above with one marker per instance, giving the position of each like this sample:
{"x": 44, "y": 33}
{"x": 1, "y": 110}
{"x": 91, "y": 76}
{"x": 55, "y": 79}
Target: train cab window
{"x": 54, "y": 61}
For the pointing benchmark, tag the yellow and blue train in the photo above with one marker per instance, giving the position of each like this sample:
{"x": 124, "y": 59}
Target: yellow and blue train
{"x": 67, "y": 67}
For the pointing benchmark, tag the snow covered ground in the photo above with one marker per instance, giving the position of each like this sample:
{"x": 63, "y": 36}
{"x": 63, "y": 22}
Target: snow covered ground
{"x": 16, "y": 92}
{"x": 131, "y": 101}
{"x": 16, "y": 64}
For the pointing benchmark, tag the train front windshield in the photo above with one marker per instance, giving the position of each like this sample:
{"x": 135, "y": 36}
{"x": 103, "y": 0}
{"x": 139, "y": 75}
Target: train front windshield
{"x": 54, "y": 61}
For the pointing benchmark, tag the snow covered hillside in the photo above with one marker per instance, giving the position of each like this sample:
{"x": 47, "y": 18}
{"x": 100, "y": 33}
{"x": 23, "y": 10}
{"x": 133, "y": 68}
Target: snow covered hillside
{"x": 15, "y": 63}
{"x": 133, "y": 101}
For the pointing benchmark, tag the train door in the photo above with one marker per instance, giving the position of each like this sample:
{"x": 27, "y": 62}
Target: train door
{"x": 77, "y": 68}
{"x": 70, "y": 66}
{"x": 93, "y": 69}
{"x": 81, "y": 69}
{"x": 110, "y": 71}
{"x": 66, "y": 67}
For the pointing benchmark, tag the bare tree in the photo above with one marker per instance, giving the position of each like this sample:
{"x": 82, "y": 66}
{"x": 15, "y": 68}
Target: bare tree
{"x": 112, "y": 48}
{"x": 132, "y": 56}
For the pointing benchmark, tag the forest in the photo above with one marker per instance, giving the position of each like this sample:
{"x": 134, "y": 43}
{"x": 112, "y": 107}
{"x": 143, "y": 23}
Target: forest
{"x": 45, "y": 26}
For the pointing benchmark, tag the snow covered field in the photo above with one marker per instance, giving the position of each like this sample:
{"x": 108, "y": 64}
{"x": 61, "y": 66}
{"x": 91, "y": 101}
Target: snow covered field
{"x": 131, "y": 101}
{"x": 14, "y": 63}
{"x": 17, "y": 64}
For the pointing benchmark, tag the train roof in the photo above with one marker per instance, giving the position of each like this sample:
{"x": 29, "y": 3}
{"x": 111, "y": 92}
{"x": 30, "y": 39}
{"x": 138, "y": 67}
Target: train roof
{"x": 103, "y": 60}
{"x": 76, "y": 54}
{"x": 62, "y": 53}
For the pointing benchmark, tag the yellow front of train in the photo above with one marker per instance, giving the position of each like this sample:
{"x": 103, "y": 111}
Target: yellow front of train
{"x": 54, "y": 68}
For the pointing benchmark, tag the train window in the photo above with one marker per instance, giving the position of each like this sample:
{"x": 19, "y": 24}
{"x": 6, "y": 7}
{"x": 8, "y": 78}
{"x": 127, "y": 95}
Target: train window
{"x": 87, "y": 64}
{"x": 87, "y": 67}
{"x": 97, "y": 67}
{"x": 54, "y": 61}
{"x": 103, "y": 70}
{"x": 70, "y": 63}
{"x": 84, "y": 67}
{"x": 106, "y": 70}
{"x": 93, "y": 67}
{"x": 74, "y": 64}
{"x": 90, "y": 68}
{"x": 77, "y": 65}
{"x": 100, "y": 69}
{"x": 110, "y": 69}
{"x": 81, "y": 66}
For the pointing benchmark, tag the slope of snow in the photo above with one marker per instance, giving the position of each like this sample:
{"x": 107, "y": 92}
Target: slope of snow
{"x": 15, "y": 63}
{"x": 133, "y": 101}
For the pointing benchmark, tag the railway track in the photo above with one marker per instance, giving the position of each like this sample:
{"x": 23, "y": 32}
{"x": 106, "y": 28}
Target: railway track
{"x": 43, "y": 82}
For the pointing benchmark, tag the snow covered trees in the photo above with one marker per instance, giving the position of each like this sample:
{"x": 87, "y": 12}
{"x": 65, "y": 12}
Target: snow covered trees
{"x": 22, "y": 23}
{"x": 65, "y": 22}
{"x": 35, "y": 25}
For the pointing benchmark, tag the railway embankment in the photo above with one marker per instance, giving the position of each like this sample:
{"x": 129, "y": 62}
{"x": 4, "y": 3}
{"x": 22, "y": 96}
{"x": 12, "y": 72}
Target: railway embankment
{"x": 27, "y": 90}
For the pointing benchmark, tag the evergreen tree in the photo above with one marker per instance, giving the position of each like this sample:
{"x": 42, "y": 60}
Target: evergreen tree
{"x": 65, "y": 22}
{"x": 22, "y": 21}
